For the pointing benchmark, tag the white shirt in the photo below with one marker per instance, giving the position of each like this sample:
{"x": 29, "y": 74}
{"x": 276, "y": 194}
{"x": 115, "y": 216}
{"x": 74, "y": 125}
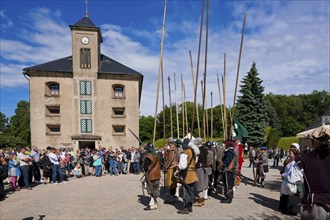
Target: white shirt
{"x": 53, "y": 158}
{"x": 20, "y": 157}
{"x": 183, "y": 161}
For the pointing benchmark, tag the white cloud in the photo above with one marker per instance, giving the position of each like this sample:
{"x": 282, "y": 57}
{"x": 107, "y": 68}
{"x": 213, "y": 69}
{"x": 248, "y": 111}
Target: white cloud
{"x": 289, "y": 41}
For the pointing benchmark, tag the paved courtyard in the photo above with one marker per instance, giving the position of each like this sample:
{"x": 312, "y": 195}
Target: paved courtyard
{"x": 120, "y": 197}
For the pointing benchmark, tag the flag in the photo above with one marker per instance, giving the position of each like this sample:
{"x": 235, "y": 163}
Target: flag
{"x": 239, "y": 130}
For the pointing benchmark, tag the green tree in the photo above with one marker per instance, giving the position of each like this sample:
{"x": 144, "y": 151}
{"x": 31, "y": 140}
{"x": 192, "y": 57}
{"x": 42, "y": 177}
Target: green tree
{"x": 251, "y": 107}
{"x": 272, "y": 137}
{"x": 19, "y": 126}
{"x": 3, "y": 122}
{"x": 146, "y": 128}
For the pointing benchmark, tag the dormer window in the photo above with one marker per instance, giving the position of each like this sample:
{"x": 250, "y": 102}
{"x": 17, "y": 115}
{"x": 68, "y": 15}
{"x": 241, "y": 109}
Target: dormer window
{"x": 118, "y": 91}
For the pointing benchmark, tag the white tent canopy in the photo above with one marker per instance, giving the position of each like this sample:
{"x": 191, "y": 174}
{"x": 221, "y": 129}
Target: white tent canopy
{"x": 322, "y": 131}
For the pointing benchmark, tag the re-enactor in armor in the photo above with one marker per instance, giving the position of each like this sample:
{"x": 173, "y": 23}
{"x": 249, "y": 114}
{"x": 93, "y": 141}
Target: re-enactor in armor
{"x": 152, "y": 169}
{"x": 187, "y": 175}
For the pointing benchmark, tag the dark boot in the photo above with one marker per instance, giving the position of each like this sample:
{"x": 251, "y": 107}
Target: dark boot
{"x": 190, "y": 207}
{"x": 229, "y": 197}
{"x": 185, "y": 210}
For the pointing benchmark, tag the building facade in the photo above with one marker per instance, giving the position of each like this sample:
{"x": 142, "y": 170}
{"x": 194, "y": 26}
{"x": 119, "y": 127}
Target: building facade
{"x": 86, "y": 99}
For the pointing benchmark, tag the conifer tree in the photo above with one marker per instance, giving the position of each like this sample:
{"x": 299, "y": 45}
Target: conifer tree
{"x": 251, "y": 107}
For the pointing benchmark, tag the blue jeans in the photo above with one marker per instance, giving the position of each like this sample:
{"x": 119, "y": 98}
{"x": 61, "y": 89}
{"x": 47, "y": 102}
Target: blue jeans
{"x": 113, "y": 167}
{"x": 124, "y": 167}
{"x": 136, "y": 167}
{"x": 36, "y": 171}
{"x": 25, "y": 174}
{"x": 98, "y": 170}
{"x": 56, "y": 168}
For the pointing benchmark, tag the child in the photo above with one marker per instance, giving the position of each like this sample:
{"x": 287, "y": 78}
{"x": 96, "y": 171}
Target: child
{"x": 14, "y": 171}
{"x": 77, "y": 171}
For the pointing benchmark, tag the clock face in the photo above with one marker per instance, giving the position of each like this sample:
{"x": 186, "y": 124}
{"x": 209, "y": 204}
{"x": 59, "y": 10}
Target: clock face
{"x": 85, "y": 40}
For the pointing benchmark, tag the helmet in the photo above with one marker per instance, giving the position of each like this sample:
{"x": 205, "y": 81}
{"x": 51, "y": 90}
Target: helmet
{"x": 178, "y": 143}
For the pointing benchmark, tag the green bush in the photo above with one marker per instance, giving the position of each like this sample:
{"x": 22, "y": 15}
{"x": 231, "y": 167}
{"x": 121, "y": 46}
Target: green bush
{"x": 286, "y": 142}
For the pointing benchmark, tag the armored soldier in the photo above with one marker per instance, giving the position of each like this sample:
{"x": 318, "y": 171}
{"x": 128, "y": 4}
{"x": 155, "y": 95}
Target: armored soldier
{"x": 152, "y": 169}
{"x": 229, "y": 161}
{"x": 171, "y": 165}
{"x": 188, "y": 176}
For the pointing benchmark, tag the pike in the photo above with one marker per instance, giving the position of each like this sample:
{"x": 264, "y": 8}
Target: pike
{"x": 135, "y": 136}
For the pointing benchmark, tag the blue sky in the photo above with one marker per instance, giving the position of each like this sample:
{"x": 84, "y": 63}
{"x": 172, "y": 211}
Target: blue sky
{"x": 289, "y": 41}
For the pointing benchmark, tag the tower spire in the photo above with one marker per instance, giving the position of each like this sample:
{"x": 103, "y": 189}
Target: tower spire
{"x": 86, "y": 13}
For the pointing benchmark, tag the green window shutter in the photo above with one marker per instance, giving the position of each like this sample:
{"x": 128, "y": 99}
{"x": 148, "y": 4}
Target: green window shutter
{"x": 88, "y": 107}
{"x": 88, "y": 88}
{"x": 89, "y": 126}
{"x": 82, "y": 87}
{"x": 83, "y": 125}
{"x": 82, "y": 107}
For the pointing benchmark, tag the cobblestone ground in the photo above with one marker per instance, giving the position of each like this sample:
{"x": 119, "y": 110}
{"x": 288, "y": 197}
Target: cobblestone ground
{"x": 120, "y": 197}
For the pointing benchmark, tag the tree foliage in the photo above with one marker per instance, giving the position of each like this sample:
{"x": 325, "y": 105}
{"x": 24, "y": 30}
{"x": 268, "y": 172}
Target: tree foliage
{"x": 251, "y": 107}
{"x": 17, "y": 132}
{"x": 294, "y": 113}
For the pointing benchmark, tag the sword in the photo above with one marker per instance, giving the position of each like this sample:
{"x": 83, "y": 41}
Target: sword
{"x": 135, "y": 136}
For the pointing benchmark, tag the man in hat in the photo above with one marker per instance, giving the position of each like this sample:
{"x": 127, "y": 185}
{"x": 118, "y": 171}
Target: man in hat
{"x": 229, "y": 164}
{"x": 262, "y": 165}
{"x": 188, "y": 176}
{"x": 152, "y": 169}
{"x": 171, "y": 165}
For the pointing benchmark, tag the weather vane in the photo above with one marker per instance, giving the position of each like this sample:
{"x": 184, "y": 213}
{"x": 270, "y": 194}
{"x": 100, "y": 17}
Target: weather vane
{"x": 86, "y": 13}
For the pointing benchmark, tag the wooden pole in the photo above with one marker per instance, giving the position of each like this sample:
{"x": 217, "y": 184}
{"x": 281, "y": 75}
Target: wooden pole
{"x": 211, "y": 116}
{"x": 170, "y": 100}
{"x": 182, "y": 108}
{"x": 196, "y": 106}
{"x": 237, "y": 75}
{"x": 185, "y": 107}
{"x": 159, "y": 72}
{"x": 177, "y": 109}
{"x": 205, "y": 68}
{"x": 203, "y": 115}
{"x": 163, "y": 99}
{"x": 198, "y": 58}
{"x": 221, "y": 107}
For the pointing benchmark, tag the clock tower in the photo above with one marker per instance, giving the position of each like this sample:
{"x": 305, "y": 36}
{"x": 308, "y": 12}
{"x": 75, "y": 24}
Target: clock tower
{"x": 86, "y": 40}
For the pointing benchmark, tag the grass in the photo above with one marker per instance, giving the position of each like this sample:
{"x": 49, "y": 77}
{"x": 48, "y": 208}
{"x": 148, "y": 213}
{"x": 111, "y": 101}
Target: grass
{"x": 286, "y": 142}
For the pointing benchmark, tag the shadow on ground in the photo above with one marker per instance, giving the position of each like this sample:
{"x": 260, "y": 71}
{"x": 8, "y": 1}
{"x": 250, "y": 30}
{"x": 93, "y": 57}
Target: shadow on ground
{"x": 265, "y": 201}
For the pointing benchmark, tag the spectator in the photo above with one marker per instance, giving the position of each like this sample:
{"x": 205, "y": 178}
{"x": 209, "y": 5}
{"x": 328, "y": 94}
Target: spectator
{"x": 56, "y": 168}
{"x": 46, "y": 167}
{"x": 97, "y": 164}
{"x": 14, "y": 171}
{"x": 136, "y": 161}
{"x": 77, "y": 171}
{"x": 24, "y": 161}
{"x": 112, "y": 162}
{"x": 35, "y": 154}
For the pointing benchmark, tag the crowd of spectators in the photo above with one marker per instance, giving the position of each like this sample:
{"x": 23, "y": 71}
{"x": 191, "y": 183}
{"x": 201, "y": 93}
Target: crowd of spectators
{"x": 27, "y": 166}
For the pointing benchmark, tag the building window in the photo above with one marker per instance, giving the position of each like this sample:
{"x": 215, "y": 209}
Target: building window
{"x": 118, "y": 112}
{"x": 85, "y": 58}
{"x": 86, "y": 126}
{"x": 85, "y": 106}
{"x": 53, "y": 129}
{"x": 52, "y": 89}
{"x": 53, "y": 110}
{"x": 118, "y": 91}
{"x": 118, "y": 129}
{"x": 85, "y": 87}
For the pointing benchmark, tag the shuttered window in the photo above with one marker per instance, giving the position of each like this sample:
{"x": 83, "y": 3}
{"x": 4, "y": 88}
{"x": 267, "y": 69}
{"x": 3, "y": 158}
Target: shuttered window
{"x": 86, "y": 125}
{"x": 85, "y": 106}
{"x": 85, "y": 87}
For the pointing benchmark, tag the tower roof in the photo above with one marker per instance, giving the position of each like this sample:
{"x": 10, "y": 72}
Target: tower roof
{"x": 84, "y": 22}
